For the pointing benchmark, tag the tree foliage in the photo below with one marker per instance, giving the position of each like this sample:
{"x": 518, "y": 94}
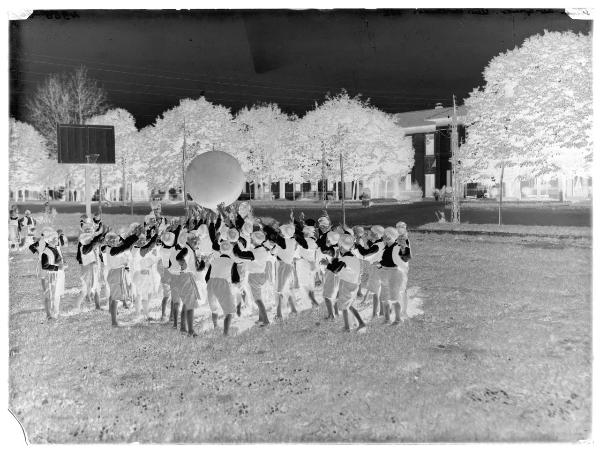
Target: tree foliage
{"x": 29, "y": 164}
{"x": 130, "y": 151}
{"x": 263, "y": 137}
{"x": 369, "y": 140}
{"x": 534, "y": 114}
{"x": 206, "y": 126}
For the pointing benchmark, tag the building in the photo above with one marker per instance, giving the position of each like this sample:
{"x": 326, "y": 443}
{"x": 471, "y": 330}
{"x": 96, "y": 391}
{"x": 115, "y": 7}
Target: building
{"x": 430, "y": 130}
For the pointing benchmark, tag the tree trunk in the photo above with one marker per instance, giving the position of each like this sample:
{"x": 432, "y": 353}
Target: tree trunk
{"x": 500, "y": 202}
{"x": 123, "y": 181}
{"x": 270, "y": 184}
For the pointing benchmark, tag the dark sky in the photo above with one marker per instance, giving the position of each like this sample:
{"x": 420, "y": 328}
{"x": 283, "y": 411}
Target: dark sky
{"x": 147, "y": 60}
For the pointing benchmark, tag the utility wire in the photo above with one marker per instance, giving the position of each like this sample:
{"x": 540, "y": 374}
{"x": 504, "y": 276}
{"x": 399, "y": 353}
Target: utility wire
{"x": 148, "y": 73}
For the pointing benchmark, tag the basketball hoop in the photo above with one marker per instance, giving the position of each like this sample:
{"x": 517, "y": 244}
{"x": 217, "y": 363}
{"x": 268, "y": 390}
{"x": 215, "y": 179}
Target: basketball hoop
{"x": 92, "y": 158}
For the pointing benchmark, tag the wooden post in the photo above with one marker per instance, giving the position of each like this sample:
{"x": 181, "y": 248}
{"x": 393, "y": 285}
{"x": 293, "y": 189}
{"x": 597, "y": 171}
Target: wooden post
{"x": 500, "y": 203}
{"x": 88, "y": 199}
{"x": 455, "y": 181}
{"x": 100, "y": 193}
{"x": 131, "y": 197}
{"x": 343, "y": 189}
{"x": 323, "y": 182}
{"x": 185, "y": 205}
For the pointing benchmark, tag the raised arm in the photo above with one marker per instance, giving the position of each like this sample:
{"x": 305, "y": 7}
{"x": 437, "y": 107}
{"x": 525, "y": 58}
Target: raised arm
{"x": 336, "y": 265}
{"x": 149, "y": 246}
{"x": 239, "y": 253}
{"x": 126, "y": 245}
{"x": 274, "y": 236}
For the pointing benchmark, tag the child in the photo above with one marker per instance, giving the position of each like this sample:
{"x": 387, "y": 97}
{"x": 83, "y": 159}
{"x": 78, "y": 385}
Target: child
{"x": 406, "y": 255}
{"x": 371, "y": 253}
{"x": 117, "y": 259}
{"x": 220, "y": 276}
{"x": 145, "y": 281}
{"x": 285, "y": 245}
{"x": 187, "y": 289}
{"x": 347, "y": 268}
{"x": 328, "y": 250}
{"x": 27, "y": 226}
{"x": 244, "y": 215}
{"x": 257, "y": 274}
{"x": 62, "y": 239}
{"x": 89, "y": 242}
{"x": 204, "y": 253}
{"x": 53, "y": 279}
{"x": 167, "y": 241}
{"x": 13, "y": 229}
{"x": 361, "y": 239}
{"x": 393, "y": 274}
{"x": 306, "y": 264}
{"x": 174, "y": 268}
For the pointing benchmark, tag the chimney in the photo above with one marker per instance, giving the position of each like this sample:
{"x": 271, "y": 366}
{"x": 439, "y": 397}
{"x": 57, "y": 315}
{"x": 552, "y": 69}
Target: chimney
{"x": 439, "y": 106}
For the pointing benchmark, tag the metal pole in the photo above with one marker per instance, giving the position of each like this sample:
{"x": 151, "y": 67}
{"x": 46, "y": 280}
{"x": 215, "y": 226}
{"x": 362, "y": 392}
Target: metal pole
{"x": 185, "y": 205}
{"x": 323, "y": 181}
{"x": 100, "y": 195}
{"x": 343, "y": 189}
{"x": 454, "y": 149}
{"x": 88, "y": 199}
{"x": 131, "y": 197}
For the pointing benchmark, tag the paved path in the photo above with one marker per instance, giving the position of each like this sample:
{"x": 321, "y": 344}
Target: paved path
{"x": 414, "y": 214}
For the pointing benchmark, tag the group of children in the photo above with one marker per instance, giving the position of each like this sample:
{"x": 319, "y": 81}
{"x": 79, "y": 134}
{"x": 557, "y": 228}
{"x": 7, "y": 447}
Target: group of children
{"x": 229, "y": 259}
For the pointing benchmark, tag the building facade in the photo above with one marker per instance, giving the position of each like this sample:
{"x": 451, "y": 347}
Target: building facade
{"x": 430, "y": 130}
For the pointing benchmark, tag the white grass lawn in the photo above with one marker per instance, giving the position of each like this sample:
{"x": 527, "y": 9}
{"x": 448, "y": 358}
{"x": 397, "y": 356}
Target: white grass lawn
{"x": 501, "y": 352}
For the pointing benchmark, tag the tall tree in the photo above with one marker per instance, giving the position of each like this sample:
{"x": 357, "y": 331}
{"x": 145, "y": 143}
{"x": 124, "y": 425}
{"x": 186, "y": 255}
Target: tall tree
{"x": 129, "y": 149}
{"x": 534, "y": 113}
{"x": 64, "y": 98}
{"x": 29, "y": 164}
{"x": 369, "y": 141}
{"x": 206, "y": 126}
{"x": 264, "y": 133}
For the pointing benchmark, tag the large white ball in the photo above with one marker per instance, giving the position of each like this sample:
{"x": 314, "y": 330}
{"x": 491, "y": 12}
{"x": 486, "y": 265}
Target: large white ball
{"x": 214, "y": 177}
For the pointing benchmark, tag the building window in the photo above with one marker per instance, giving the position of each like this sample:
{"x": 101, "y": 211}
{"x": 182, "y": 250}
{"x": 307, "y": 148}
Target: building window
{"x": 429, "y": 144}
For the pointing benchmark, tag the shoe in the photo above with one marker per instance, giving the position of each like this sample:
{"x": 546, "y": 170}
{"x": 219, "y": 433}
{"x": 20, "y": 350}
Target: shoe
{"x": 361, "y": 329}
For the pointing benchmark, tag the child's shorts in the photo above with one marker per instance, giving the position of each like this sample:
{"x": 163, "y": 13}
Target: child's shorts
{"x": 220, "y": 293}
{"x": 393, "y": 282}
{"x": 285, "y": 277}
{"x": 346, "y": 294}
{"x": 374, "y": 279}
{"x": 330, "y": 285}
{"x": 256, "y": 282}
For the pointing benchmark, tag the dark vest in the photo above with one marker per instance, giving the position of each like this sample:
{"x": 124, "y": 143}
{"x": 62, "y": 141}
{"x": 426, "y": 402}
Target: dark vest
{"x": 386, "y": 258}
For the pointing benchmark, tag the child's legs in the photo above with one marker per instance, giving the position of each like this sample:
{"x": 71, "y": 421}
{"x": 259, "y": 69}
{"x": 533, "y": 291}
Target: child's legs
{"x": 47, "y": 297}
{"x": 145, "y": 305}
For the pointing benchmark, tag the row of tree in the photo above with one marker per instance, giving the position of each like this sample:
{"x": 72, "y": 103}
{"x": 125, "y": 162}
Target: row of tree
{"x": 532, "y": 117}
{"x": 270, "y": 144}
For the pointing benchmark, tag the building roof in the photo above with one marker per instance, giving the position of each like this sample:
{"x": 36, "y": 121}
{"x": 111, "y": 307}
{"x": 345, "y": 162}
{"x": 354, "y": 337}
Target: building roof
{"x": 427, "y": 117}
